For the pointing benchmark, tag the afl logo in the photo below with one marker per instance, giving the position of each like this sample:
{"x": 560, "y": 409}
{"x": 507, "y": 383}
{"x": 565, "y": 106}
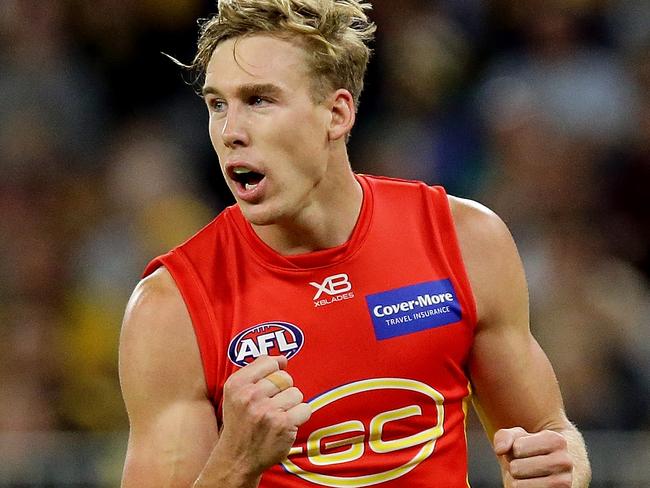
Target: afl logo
{"x": 272, "y": 338}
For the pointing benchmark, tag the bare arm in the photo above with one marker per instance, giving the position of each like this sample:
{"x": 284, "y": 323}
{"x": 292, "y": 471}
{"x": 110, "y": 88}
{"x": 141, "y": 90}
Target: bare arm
{"x": 174, "y": 439}
{"x": 172, "y": 423}
{"x": 516, "y": 392}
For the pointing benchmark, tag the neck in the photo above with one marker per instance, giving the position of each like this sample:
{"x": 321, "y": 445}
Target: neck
{"x": 328, "y": 221}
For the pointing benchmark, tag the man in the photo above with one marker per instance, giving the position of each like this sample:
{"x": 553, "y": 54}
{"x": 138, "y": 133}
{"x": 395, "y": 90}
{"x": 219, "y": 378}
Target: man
{"x": 325, "y": 330}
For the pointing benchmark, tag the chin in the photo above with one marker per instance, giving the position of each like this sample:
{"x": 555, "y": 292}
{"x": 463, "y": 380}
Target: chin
{"x": 257, "y": 215}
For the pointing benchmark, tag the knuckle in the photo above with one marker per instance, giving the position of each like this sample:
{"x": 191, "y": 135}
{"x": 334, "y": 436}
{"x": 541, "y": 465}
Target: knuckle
{"x": 561, "y": 441}
{"x": 296, "y": 394}
{"x": 516, "y": 468}
{"x": 264, "y": 358}
{"x": 520, "y": 431}
{"x": 261, "y": 414}
{"x": 231, "y": 384}
{"x": 266, "y": 415}
{"x": 286, "y": 376}
{"x": 306, "y": 411}
{"x": 562, "y": 482}
{"x": 518, "y": 446}
{"x": 563, "y": 461}
{"x": 246, "y": 396}
{"x": 277, "y": 421}
{"x": 300, "y": 397}
{"x": 555, "y": 439}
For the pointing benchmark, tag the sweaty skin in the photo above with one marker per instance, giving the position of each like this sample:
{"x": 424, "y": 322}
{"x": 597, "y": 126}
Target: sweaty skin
{"x": 263, "y": 118}
{"x": 173, "y": 437}
{"x": 515, "y": 389}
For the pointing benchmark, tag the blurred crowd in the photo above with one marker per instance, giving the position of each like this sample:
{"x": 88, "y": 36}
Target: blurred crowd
{"x": 538, "y": 109}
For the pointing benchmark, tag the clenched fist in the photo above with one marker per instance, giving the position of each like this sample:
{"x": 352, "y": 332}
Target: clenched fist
{"x": 537, "y": 460}
{"x": 262, "y": 411}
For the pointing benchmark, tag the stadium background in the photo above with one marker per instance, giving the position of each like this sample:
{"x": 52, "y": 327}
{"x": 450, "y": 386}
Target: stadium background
{"x": 539, "y": 109}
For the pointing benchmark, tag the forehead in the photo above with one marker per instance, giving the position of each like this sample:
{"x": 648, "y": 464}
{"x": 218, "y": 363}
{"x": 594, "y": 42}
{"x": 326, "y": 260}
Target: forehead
{"x": 257, "y": 59}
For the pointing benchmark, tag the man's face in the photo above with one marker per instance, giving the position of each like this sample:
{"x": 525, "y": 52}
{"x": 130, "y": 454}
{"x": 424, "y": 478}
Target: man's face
{"x": 269, "y": 134}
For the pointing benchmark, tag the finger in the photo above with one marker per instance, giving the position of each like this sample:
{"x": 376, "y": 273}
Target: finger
{"x": 282, "y": 361}
{"x": 279, "y": 381}
{"x": 534, "y": 467}
{"x": 261, "y": 367}
{"x": 563, "y": 480}
{"x": 505, "y": 438}
{"x": 288, "y": 398}
{"x": 538, "y": 444}
{"x": 299, "y": 414}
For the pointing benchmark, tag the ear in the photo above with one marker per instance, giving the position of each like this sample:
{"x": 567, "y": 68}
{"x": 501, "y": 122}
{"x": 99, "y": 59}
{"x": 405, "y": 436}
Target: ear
{"x": 343, "y": 114}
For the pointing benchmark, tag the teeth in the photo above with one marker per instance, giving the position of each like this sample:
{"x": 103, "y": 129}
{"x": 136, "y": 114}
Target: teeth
{"x": 250, "y": 186}
{"x": 241, "y": 171}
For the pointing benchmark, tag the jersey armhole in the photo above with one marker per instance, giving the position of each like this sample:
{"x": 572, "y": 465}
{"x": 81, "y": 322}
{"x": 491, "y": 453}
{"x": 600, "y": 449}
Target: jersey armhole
{"x": 447, "y": 234}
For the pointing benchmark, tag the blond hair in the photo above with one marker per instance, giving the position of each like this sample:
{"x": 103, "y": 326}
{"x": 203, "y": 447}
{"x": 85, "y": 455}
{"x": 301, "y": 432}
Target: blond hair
{"x": 334, "y": 34}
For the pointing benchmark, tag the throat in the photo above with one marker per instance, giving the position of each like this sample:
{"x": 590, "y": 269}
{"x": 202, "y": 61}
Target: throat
{"x": 316, "y": 228}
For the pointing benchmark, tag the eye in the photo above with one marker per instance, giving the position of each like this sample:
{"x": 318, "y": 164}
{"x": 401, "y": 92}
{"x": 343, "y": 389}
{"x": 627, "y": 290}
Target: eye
{"x": 216, "y": 105}
{"x": 257, "y": 101}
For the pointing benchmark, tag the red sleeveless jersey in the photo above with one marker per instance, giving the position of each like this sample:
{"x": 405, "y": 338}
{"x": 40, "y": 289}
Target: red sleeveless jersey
{"x": 377, "y": 332}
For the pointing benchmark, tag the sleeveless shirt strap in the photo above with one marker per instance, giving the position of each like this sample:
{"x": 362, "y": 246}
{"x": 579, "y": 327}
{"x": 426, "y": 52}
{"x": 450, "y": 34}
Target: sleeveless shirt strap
{"x": 197, "y": 303}
{"x": 447, "y": 234}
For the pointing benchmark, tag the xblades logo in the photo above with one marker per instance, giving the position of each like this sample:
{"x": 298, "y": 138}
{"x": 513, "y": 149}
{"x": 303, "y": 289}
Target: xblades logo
{"x": 333, "y": 285}
{"x": 336, "y": 287}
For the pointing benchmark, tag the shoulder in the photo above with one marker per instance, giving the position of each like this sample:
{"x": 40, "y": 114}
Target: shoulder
{"x": 484, "y": 238}
{"x": 157, "y": 288}
{"x": 158, "y": 350}
{"x": 476, "y": 221}
{"x": 491, "y": 259}
{"x": 155, "y": 305}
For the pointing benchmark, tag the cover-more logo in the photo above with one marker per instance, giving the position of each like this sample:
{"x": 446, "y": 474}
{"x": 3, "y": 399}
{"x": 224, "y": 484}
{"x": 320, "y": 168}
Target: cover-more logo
{"x": 336, "y": 288}
{"x": 414, "y": 308}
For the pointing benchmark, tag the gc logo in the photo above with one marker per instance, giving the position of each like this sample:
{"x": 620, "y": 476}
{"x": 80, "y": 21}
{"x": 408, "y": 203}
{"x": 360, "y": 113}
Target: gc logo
{"x": 353, "y": 434}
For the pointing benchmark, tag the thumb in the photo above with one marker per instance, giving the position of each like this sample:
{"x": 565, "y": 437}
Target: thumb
{"x": 505, "y": 438}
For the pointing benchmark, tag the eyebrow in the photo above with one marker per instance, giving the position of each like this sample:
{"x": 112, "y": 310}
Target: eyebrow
{"x": 247, "y": 90}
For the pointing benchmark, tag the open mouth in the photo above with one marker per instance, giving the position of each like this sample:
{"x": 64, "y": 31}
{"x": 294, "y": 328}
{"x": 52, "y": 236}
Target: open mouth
{"x": 246, "y": 178}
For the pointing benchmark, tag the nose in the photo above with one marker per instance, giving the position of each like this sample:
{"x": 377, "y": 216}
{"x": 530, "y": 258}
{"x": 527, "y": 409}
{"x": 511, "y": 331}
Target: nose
{"x": 234, "y": 133}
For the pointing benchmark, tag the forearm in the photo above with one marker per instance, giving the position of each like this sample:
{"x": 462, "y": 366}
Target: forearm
{"x": 221, "y": 471}
{"x": 578, "y": 453}
{"x": 225, "y": 479}
{"x": 262, "y": 411}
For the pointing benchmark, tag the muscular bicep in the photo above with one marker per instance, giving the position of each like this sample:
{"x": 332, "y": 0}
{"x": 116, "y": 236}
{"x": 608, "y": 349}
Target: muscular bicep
{"x": 172, "y": 423}
{"x": 512, "y": 379}
{"x": 171, "y": 448}
{"x": 514, "y": 383}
